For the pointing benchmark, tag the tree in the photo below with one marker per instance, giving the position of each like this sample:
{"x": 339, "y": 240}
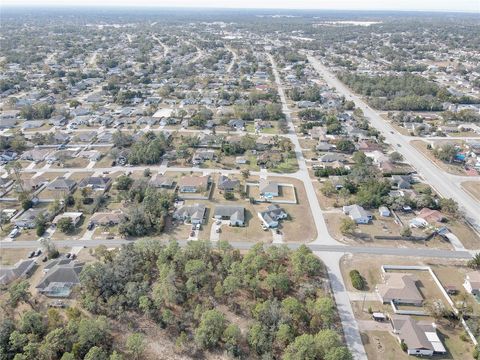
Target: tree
{"x": 231, "y": 337}
{"x": 96, "y": 353}
{"x": 124, "y": 182}
{"x": 136, "y": 345}
{"x": 474, "y": 263}
{"x": 395, "y": 157}
{"x": 346, "y": 146}
{"x": 347, "y": 226}
{"x": 245, "y": 174}
{"x": 210, "y": 329}
{"x": 32, "y": 323}
{"x": 66, "y": 225}
{"x": 19, "y": 292}
{"x": 328, "y": 189}
{"x": 303, "y": 347}
{"x": 449, "y": 206}
{"x": 406, "y": 231}
{"x": 357, "y": 280}
{"x": 228, "y": 195}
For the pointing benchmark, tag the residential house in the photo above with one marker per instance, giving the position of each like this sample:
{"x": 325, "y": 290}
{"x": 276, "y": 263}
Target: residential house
{"x": 74, "y": 216}
{"x": 358, "y": 214}
{"x": 332, "y": 157}
{"x": 227, "y": 184}
{"x": 61, "y": 184}
{"x": 235, "y": 214}
{"x": 201, "y": 156}
{"x": 399, "y": 288}
{"x": 21, "y": 269}
{"x": 472, "y": 282}
{"x": 107, "y": 218}
{"x": 161, "y": 181}
{"x": 28, "y": 218}
{"x": 268, "y": 189}
{"x": 401, "y": 181}
{"x": 237, "y": 124}
{"x": 95, "y": 183}
{"x": 194, "y": 214}
{"x": 60, "y": 279}
{"x": 431, "y": 216}
{"x": 420, "y": 337}
{"x": 193, "y": 184}
{"x": 272, "y": 215}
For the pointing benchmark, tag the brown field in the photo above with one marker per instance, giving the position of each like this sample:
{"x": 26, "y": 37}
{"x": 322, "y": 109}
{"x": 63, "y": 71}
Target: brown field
{"x": 473, "y": 188}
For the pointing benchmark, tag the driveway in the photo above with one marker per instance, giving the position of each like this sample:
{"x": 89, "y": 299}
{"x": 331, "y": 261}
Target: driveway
{"x": 277, "y": 238}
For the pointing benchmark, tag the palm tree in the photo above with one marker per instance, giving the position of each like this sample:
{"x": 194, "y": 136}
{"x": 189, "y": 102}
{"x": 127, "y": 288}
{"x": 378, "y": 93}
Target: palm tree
{"x": 475, "y": 262}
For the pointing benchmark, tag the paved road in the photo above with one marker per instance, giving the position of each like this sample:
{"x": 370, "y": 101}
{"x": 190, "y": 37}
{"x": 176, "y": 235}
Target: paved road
{"x": 447, "y": 185}
{"x": 245, "y": 245}
{"x": 323, "y": 236}
{"x": 344, "y": 307}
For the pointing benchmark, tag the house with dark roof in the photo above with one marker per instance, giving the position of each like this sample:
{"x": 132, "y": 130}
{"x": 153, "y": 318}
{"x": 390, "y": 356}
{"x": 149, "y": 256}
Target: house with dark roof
{"x": 22, "y": 268}
{"x": 227, "y": 184}
{"x": 60, "y": 279}
{"x": 61, "y": 184}
{"x": 235, "y": 214}
{"x": 28, "y": 218}
{"x": 96, "y": 183}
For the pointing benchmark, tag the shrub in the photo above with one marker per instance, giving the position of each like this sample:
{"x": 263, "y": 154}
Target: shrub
{"x": 357, "y": 280}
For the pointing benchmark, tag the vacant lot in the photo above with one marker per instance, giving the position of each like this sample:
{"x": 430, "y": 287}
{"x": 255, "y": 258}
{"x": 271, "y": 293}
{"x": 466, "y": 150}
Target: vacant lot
{"x": 473, "y": 188}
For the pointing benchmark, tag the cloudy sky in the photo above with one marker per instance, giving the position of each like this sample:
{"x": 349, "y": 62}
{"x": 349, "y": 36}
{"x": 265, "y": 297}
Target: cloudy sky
{"x": 436, "y": 5}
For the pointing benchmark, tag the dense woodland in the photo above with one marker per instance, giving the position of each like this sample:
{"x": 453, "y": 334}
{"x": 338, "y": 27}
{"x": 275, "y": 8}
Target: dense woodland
{"x": 280, "y": 297}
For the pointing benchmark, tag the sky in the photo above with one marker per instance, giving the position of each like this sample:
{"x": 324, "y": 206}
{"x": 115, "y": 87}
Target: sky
{"x": 430, "y": 5}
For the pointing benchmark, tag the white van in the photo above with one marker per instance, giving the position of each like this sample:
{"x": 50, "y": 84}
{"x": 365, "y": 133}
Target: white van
{"x": 14, "y": 233}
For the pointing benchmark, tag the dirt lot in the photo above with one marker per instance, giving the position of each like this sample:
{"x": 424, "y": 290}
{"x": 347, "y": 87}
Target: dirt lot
{"x": 473, "y": 188}
{"x": 468, "y": 237}
{"x": 11, "y": 256}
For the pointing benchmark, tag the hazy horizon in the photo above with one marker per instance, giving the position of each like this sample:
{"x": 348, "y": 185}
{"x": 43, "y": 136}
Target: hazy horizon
{"x": 472, "y": 6}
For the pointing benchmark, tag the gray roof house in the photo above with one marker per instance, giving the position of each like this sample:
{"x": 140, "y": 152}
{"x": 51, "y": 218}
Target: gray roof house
{"x": 95, "y": 183}
{"x": 357, "y": 214}
{"x": 268, "y": 189}
{"x": 161, "y": 181}
{"x": 227, "y": 184}
{"x": 194, "y": 213}
{"x": 271, "y": 215}
{"x": 236, "y": 214}
{"x": 61, "y": 184}
{"x": 401, "y": 181}
{"x": 28, "y": 218}
{"x": 400, "y": 288}
{"x": 22, "y": 268}
{"x": 60, "y": 279}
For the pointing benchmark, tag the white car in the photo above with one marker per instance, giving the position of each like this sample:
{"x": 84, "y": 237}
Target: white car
{"x": 14, "y": 233}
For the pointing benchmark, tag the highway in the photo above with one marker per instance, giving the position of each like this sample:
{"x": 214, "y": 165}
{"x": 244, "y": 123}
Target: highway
{"x": 447, "y": 185}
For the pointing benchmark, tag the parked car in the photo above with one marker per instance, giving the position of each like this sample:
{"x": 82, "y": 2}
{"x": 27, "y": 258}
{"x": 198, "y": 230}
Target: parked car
{"x": 57, "y": 304}
{"x": 90, "y": 226}
{"x": 192, "y": 234}
{"x": 38, "y": 252}
{"x": 218, "y": 230}
{"x": 31, "y": 255}
{"x": 198, "y": 227}
{"x": 14, "y": 233}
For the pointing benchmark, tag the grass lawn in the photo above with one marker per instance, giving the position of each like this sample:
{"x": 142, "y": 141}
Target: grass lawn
{"x": 289, "y": 165}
